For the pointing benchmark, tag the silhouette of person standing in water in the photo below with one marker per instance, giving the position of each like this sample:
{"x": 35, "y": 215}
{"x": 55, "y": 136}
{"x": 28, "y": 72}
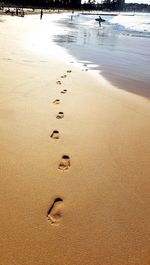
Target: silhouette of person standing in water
{"x": 100, "y": 19}
{"x": 41, "y": 14}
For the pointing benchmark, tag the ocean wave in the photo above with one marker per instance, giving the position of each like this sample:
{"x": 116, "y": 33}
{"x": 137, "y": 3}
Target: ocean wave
{"x": 136, "y": 23}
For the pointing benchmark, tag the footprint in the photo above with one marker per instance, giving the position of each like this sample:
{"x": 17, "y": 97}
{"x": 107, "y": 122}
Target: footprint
{"x": 64, "y": 91}
{"x": 60, "y": 115}
{"x": 69, "y": 71}
{"x": 64, "y": 163}
{"x": 84, "y": 64}
{"x": 6, "y": 59}
{"x": 54, "y": 213}
{"x": 43, "y": 61}
{"x": 27, "y": 61}
{"x": 58, "y": 82}
{"x": 55, "y": 134}
{"x": 85, "y": 70}
{"x": 56, "y": 101}
{"x": 63, "y": 76}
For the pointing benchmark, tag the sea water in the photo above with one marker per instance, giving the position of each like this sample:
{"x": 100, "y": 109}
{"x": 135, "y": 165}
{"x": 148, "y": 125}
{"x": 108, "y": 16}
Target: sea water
{"x": 119, "y": 49}
{"x": 134, "y": 24}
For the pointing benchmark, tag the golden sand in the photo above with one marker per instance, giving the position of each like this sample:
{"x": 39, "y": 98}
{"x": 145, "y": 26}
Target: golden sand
{"x": 83, "y": 196}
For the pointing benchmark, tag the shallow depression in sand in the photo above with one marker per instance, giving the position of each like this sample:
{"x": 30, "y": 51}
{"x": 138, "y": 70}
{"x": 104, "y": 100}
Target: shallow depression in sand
{"x": 64, "y": 163}
{"x": 54, "y": 213}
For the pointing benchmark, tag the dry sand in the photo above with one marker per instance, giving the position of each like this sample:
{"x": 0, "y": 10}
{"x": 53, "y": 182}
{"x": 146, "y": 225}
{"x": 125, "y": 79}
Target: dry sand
{"x": 92, "y": 207}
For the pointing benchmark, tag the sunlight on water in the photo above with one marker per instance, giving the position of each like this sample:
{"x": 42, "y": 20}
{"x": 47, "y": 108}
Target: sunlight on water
{"x": 39, "y": 38}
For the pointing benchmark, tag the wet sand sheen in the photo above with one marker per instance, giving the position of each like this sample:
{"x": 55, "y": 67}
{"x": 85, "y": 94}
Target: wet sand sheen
{"x": 74, "y": 189}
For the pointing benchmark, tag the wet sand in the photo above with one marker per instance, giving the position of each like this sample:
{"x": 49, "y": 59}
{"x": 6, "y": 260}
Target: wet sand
{"x": 122, "y": 58}
{"x": 74, "y": 171}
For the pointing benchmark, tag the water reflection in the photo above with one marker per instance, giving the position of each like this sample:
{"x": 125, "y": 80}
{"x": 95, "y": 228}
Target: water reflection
{"x": 65, "y": 38}
{"x": 85, "y": 34}
{"x": 117, "y": 55}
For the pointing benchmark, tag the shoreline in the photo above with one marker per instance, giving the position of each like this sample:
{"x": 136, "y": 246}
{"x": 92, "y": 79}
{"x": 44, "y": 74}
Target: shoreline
{"x": 117, "y": 55}
{"x": 92, "y": 206}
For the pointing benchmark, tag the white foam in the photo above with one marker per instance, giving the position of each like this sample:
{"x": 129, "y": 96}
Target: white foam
{"x": 137, "y": 22}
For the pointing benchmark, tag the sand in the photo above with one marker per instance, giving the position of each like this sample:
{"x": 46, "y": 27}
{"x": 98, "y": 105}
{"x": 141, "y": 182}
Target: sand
{"x": 79, "y": 195}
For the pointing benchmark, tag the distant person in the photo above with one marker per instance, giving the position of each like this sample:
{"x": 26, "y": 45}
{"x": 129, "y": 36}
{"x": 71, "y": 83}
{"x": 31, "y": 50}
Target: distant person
{"x": 41, "y": 14}
{"x": 72, "y": 15}
{"x": 100, "y": 19}
{"x": 22, "y": 13}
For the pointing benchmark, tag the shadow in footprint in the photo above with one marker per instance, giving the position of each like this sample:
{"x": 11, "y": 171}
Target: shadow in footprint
{"x": 85, "y": 70}
{"x": 55, "y": 134}
{"x": 69, "y": 71}
{"x": 63, "y": 76}
{"x": 60, "y": 115}
{"x": 64, "y": 163}
{"x": 6, "y": 59}
{"x": 64, "y": 91}
{"x": 58, "y": 82}
{"x": 43, "y": 61}
{"x": 56, "y": 101}
{"x": 54, "y": 213}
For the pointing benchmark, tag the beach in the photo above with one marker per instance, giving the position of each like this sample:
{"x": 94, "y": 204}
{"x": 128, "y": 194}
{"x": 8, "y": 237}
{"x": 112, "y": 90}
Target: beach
{"x": 74, "y": 149}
